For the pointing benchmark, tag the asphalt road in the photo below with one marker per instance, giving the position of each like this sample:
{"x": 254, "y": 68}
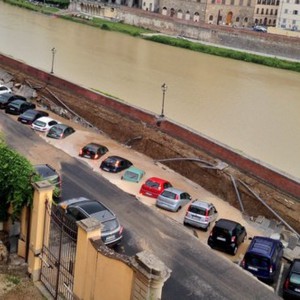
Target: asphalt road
{"x": 197, "y": 272}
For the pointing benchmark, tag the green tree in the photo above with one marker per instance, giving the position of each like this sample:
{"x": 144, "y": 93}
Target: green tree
{"x": 15, "y": 181}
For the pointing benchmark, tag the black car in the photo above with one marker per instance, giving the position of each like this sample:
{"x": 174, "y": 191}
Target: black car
{"x": 60, "y": 131}
{"x": 17, "y": 107}
{"x": 30, "y": 115}
{"x": 93, "y": 151}
{"x": 227, "y": 235}
{"x": 77, "y": 209}
{"x": 6, "y": 98}
{"x": 291, "y": 286}
{"x": 115, "y": 164}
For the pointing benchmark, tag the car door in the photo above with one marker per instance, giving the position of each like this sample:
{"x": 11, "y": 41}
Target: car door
{"x": 184, "y": 198}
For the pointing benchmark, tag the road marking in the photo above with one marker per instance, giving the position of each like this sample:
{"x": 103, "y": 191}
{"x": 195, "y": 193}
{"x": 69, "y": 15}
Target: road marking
{"x": 279, "y": 279}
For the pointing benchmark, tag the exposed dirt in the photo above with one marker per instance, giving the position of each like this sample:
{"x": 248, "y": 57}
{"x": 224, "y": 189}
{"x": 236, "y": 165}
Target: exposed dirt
{"x": 15, "y": 283}
{"x": 157, "y": 145}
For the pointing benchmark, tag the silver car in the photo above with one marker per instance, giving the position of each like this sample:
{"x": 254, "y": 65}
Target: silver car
{"x": 77, "y": 209}
{"x": 200, "y": 214}
{"x": 173, "y": 199}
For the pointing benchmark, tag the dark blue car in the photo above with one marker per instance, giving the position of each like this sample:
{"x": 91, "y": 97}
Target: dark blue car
{"x": 263, "y": 258}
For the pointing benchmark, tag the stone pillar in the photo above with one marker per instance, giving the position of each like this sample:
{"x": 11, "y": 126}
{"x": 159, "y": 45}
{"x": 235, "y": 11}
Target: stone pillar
{"x": 87, "y": 229}
{"x": 42, "y": 194}
{"x": 150, "y": 276}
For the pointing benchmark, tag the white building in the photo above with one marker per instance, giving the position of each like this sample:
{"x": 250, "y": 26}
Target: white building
{"x": 289, "y": 15}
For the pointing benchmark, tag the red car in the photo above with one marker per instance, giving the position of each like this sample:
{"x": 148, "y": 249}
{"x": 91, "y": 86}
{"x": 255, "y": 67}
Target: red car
{"x": 154, "y": 186}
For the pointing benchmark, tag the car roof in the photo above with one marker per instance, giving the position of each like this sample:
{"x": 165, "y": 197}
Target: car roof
{"x": 94, "y": 145}
{"x": 135, "y": 170}
{"x": 46, "y": 119}
{"x": 83, "y": 202}
{"x": 262, "y": 245}
{"x": 156, "y": 179}
{"x": 45, "y": 170}
{"x": 173, "y": 190}
{"x": 200, "y": 203}
{"x": 17, "y": 101}
{"x": 226, "y": 223}
{"x": 7, "y": 95}
{"x": 62, "y": 126}
{"x": 116, "y": 157}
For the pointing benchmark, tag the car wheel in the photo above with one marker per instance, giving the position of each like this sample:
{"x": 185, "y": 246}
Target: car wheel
{"x": 178, "y": 209}
{"x": 234, "y": 250}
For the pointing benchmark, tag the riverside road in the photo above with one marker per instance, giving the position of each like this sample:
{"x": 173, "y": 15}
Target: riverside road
{"x": 197, "y": 272}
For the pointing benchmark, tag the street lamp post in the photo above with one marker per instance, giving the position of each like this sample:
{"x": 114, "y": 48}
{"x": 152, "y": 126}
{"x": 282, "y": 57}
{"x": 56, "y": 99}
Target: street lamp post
{"x": 53, "y": 55}
{"x": 164, "y": 88}
{"x": 218, "y": 17}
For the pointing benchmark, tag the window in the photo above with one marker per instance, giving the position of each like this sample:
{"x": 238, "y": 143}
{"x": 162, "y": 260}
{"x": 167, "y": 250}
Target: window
{"x": 237, "y": 19}
{"x": 295, "y": 12}
{"x": 246, "y": 19}
{"x": 210, "y": 18}
{"x": 267, "y": 11}
{"x": 231, "y": 2}
{"x": 271, "y": 12}
{"x": 262, "y": 11}
{"x": 285, "y": 11}
{"x": 223, "y": 1}
{"x": 297, "y": 1}
{"x": 249, "y": 3}
{"x": 241, "y": 2}
{"x": 257, "y": 11}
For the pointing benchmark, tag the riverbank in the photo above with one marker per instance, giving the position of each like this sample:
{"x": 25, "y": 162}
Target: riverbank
{"x": 176, "y": 41}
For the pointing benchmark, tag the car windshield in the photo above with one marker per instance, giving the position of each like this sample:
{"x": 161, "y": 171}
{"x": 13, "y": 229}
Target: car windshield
{"x": 258, "y": 261}
{"x": 198, "y": 210}
{"x": 131, "y": 175}
{"x": 39, "y": 123}
{"x": 152, "y": 184}
{"x": 92, "y": 207}
{"x": 57, "y": 130}
{"x": 16, "y": 104}
{"x": 29, "y": 113}
{"x": 91, "y": 147}
{"x": 168, "y": 194}
{"x": 295, "y": 278}
{"x": 110, "y": 225}
{"x": 222, "y": 231}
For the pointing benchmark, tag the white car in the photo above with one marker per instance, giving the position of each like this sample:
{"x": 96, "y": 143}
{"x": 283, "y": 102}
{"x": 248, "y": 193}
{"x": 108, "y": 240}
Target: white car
{"x": 43, "y": 124}
{"x": 4, "y": 89}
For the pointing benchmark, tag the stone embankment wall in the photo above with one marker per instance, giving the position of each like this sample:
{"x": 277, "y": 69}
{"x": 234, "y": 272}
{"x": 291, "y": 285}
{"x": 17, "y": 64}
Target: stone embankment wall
{"x": 244, "y": 39}
{"x": 226, "y": 173}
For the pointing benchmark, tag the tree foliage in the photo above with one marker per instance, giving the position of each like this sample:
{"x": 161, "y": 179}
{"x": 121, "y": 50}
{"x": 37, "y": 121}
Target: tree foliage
{"x": 15, "y": 186}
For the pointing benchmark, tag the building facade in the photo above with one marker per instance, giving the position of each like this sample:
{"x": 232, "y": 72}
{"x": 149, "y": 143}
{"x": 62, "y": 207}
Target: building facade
{"x": 289, "y": 15}
{"x": 266, "y": 12}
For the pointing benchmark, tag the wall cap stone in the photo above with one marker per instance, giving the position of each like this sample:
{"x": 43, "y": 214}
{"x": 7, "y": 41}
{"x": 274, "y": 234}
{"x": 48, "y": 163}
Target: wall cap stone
{"x": 89, "y": 224}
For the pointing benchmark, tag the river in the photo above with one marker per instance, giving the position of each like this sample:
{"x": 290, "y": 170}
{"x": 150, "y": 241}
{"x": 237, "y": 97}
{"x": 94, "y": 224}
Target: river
{"x": 251, "y": 108}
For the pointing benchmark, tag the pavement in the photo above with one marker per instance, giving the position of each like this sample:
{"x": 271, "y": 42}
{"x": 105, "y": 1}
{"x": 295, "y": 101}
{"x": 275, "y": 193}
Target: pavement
{"x": 254, "y": 226}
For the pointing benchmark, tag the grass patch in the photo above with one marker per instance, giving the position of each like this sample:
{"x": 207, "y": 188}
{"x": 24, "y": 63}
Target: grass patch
{"x": 13, "y": 279}
{"x": 109, "y": 25}
{"x": 228, "y": 53}
{"x": 35, "y": 7}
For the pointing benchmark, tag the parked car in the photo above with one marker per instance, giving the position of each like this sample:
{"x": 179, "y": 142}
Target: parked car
{"x": 43, "y": 124}
{"x": 154, "y": 186}
{"x": 4, "y": 89}
{"x": 227, "y": 235}
{"x": 60, "y": 131}
{"x": 263, "y": 258}
{"x": 47, "y": 172}
{"x": 17, "y": 107}
{"x": 30, "y": 115}
{"x": 200, "y": 214}
{"x": 173, "y": 199}
{"x": 115, "y": 164}
{"x": 291, "y": 286}
{"x": 93, "y": 151}
{"x": 260, "y": 28}
{"x": 6, "y": 98}
{"x": 133, "y": 174}
{"x": 77, "y": 209}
